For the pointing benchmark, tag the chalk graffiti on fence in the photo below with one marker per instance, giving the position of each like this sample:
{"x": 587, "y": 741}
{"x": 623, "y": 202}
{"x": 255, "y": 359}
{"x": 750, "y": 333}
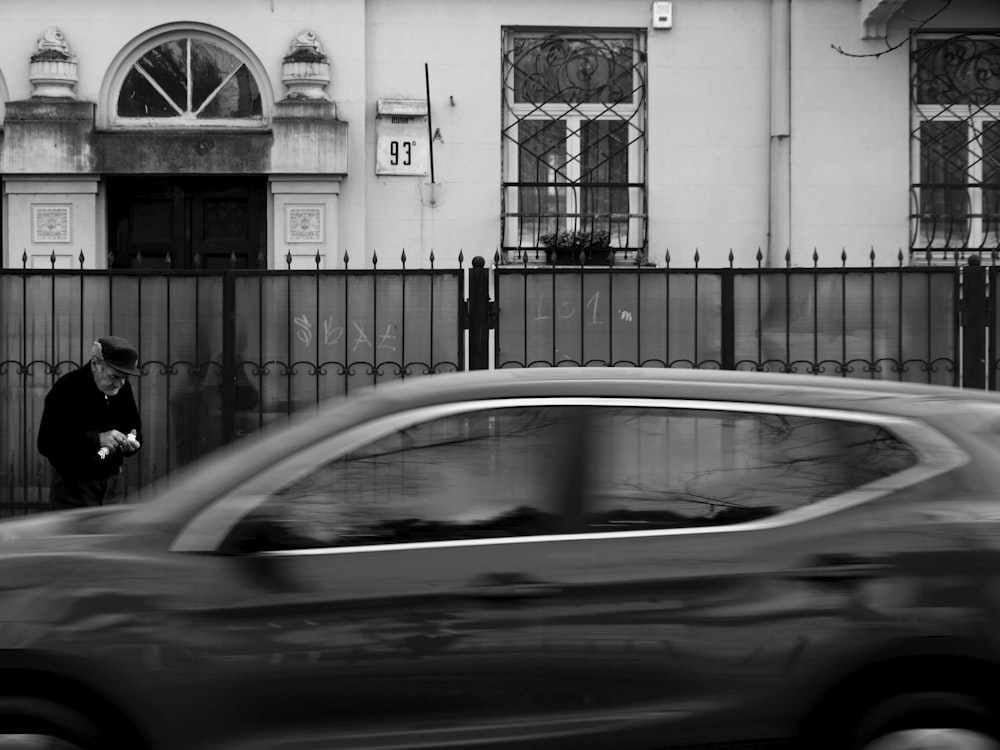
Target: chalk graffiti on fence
{"x": 355, "y": 336}
{"x": 566, "y": 310}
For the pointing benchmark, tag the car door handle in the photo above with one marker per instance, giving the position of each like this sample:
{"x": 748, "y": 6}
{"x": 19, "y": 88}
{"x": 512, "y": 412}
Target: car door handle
{"x": 838, "y": 572}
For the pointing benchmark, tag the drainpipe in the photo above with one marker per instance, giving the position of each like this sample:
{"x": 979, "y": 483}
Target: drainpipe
{"x": 780, "y": 177}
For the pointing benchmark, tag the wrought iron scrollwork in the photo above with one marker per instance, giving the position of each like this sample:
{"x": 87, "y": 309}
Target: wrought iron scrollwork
{"x": 955, "y": 94}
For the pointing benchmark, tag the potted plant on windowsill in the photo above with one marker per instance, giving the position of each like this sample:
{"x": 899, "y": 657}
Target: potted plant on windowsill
{"x": 566, "y": 246}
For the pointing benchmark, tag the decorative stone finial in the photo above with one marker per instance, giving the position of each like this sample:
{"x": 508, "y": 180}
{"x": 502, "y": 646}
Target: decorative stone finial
{"x": 306, "y": 46}
{"x": 53, "y": 70}
{"x": 305, "y": 69}
{"x": 53, "y": 45}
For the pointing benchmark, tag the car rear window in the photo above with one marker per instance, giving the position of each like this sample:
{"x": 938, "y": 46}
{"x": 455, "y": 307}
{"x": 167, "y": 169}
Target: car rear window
{"x": 671, "y": 468}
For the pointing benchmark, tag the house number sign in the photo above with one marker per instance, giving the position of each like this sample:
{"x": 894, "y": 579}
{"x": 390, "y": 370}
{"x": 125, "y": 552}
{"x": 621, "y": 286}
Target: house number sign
{"x": 402, "y": 144}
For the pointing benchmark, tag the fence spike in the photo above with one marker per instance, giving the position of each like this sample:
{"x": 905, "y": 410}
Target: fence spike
{"x": 760, "y": 257}
{"x": 788, "y": 257}
{"x": 111, "y": 259}
{"x": 197, "y": 260}
{"x": 24, "y": 258}
{"x": 288, "y": 259}
{"x": 260, "y": 259}
{"x": 138, "y": 259}
{"x": 317, "y": 258}
{"x": 899, "y": 257}
{"x": 52, "y": 260}
{"x": 871, "y": 256}
{"x": 374, "y": 259}
{"x": 402, "y": 257}
{"x": 697, "y": 257}
{"x": 232, "y": 259}
{"x": 667, "y": 257}
{"x": 731, "y": 258}
{"x": 843, "y": 258}
{"x": 815, "y": 258}
{"x": 347, "y": 259}
{"x": 496, "y": 258}
{"x": 81, "y": 257}
{"x": 169, "y": 259}
{"x": 431, "y": 258}
{"x": 461, "y": 257}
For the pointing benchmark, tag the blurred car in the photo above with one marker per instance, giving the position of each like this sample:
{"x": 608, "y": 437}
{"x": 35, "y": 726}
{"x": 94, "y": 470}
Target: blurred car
{"x": 542, "y": 558}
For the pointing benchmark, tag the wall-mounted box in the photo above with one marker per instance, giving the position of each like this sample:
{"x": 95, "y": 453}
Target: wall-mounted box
{"x": 402, "y": 141}
{"x": 663, "y": 14}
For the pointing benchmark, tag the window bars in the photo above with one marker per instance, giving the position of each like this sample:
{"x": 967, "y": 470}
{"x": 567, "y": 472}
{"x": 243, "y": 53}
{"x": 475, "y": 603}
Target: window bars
{"x": 955, "y": 138}
{"x": 574, "y": 146}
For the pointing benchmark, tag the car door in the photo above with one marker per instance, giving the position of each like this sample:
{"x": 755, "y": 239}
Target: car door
{"x": 737, "y": 539}
{"x": 396, "y": 587}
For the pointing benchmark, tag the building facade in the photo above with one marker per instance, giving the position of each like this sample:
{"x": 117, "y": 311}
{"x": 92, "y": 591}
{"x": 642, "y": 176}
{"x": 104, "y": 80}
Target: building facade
{"x": 311, "y": 134}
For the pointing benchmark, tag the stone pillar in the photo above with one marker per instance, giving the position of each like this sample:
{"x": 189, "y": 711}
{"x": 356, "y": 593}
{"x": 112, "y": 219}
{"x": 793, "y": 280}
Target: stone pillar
{"x": 49, "y": 185}
{"x": 305, "y": 225}
{"x": 308, "y": 163}
{"x": 51, "y": 221}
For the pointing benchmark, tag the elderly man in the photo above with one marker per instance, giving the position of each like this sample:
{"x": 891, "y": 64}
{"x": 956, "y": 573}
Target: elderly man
{"x": 89, "y": 424}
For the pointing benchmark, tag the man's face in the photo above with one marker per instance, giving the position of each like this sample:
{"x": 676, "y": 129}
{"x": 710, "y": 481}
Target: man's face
{"x": 109, "y": 381}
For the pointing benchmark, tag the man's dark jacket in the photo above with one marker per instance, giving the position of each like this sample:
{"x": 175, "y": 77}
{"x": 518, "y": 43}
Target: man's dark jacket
{"x": 76, "y": 412}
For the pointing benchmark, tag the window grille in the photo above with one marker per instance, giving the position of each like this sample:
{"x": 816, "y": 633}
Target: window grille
{"x": 189, "y": 80}
{"x": 574, "y": 145}
{"x": 955, "y": 105}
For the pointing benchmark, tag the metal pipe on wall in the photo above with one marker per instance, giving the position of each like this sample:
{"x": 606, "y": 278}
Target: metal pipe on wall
{"x": 780, "y": 177}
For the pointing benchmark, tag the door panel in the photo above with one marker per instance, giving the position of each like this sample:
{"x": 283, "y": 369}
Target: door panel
{"x": 147, "y": 225}
{"x": 226, "y": 225}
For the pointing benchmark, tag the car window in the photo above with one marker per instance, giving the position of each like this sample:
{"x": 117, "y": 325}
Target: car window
{"x": 482, "y": 474}
{"x": 675, "y": 468}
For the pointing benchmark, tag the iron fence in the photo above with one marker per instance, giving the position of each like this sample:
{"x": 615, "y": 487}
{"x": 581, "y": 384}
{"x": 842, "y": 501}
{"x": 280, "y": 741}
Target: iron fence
{"x": 900, "y": 323}
{"x": 222, "y": 354}
{"x": 225, "y": 353}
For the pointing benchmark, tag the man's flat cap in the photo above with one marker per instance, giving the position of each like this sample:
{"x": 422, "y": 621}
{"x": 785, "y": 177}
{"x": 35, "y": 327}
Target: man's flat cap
{"x": 120, "y": 354}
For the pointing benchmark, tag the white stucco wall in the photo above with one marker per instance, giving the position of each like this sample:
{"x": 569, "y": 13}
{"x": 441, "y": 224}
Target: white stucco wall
{"x": 709, "y": 174}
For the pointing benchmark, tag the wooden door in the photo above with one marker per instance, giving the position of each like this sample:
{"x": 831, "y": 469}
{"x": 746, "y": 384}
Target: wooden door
{"x": 185, "y": 223}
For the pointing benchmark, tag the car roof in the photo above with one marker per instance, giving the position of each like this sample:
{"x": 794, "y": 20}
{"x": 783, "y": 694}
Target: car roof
{"x": 221, "y": 470}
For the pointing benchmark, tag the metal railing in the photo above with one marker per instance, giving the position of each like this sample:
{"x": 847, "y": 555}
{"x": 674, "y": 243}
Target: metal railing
{"x": 225, "y": 353}
{"x": 222, "y": 354}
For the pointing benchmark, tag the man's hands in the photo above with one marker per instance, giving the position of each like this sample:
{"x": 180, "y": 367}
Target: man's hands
{"x": 114, "y": 440}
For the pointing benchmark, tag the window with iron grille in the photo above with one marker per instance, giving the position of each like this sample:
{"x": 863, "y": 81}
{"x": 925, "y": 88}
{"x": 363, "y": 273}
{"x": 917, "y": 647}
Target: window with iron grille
{"x": 574, "y": 146}
{"x": 955, "y": 104}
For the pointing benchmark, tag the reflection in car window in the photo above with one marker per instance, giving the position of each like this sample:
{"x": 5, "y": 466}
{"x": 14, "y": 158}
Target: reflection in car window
{"x": 474, "y": 475}
{"x": 675, "y": 468}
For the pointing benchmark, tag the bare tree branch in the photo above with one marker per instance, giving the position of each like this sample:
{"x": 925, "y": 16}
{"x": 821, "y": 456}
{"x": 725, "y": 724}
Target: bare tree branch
{"x": 892, "y": 47}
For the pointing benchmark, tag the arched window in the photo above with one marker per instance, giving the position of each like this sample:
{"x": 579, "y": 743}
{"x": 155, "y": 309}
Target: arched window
{"x": 187, "y": 78}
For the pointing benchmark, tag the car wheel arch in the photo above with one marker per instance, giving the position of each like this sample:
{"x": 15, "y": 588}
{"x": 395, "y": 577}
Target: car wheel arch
{"x": 960, "y": 682}
{"x": 43, "y": 700}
